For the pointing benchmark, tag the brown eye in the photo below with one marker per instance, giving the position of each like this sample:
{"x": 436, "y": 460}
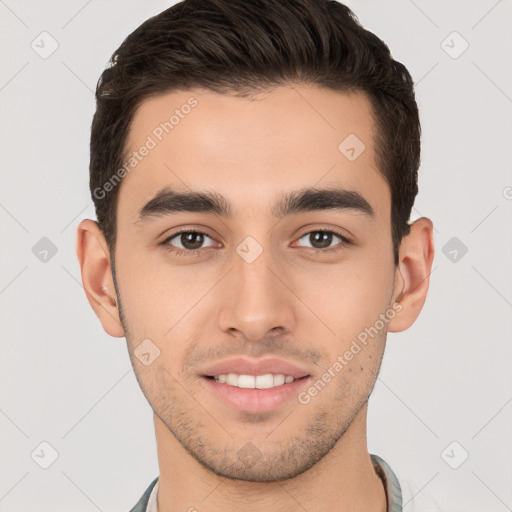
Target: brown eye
{"x": 186, "y": 241}
{"x": 321, "y": 240}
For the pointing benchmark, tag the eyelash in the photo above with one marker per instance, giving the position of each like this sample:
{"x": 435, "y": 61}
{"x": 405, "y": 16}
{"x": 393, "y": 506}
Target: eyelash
{"x": 199, "y": 252}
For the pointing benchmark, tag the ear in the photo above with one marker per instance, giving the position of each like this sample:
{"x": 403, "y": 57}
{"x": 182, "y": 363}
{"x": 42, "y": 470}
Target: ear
{"x": 412, "y": 275}
{"x": 94, "y": 258}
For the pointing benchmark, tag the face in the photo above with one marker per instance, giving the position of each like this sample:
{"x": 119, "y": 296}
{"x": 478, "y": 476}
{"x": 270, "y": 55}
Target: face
{"x": 263, "y": 275}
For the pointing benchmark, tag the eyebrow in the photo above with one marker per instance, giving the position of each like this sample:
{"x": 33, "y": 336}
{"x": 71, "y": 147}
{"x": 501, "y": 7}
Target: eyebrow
{"x": 168, "y": 201}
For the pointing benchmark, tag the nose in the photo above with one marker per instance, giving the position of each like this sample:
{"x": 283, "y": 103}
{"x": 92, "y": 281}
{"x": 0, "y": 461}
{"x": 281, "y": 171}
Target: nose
{"x": 257, "y": 300}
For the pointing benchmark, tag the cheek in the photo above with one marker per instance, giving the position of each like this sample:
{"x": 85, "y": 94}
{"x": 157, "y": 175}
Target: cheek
{"x": 160, "y": 384}
{"x": 349, "y": 296}
{"x": 167, "y": 304}
{"x": 146, "y": 292}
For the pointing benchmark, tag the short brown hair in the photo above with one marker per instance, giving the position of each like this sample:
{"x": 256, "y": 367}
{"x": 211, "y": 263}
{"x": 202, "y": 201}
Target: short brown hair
{"x": 239, "y": 46}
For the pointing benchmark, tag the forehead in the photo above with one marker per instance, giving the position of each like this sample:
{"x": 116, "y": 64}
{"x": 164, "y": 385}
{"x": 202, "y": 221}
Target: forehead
{"x": 250, "y": 147}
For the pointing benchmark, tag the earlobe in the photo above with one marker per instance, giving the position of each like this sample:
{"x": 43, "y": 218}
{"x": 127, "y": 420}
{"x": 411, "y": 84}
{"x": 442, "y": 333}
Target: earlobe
{"x": 94, "y": 258}
{"x": 413, "y": 273}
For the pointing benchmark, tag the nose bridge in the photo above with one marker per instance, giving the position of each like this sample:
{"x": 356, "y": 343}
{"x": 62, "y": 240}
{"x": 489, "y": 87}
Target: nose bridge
{"x": 256, "y": 299}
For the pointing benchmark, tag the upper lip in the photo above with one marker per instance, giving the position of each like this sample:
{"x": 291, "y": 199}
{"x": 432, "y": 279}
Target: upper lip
{"x": 246, "y": 366}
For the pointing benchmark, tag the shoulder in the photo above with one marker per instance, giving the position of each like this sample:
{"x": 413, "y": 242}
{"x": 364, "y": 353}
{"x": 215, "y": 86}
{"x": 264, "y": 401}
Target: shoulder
{"x": 142, "y": 504}
{"x": 403, "y": 492}
{"x": 416, "y": 495}
{"x": 417, "y": 498}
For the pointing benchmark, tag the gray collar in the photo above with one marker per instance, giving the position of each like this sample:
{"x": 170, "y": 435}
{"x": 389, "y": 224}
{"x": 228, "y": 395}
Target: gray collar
{"x": 391, "y": 484}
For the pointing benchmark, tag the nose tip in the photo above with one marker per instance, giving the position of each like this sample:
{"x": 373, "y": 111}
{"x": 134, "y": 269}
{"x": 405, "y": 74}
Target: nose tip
{"x": 256, "y": 304}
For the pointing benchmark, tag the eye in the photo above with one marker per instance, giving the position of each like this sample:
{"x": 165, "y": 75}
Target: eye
{"x": 189, "y": 242}
{"x": 322, "y": 239}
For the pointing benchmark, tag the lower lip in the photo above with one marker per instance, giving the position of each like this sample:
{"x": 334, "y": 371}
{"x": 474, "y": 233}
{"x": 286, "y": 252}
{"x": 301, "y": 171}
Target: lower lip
{"x": 255, "y": 400}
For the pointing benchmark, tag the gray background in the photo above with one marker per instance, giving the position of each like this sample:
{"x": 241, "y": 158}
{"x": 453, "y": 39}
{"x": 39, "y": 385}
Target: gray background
{"x": 67, "y": 383}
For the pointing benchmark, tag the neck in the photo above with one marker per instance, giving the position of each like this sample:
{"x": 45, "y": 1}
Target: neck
{"x": 343, "y": 480}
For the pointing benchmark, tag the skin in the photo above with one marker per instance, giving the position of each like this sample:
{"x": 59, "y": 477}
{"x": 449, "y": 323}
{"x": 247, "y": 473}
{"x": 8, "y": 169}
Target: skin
{"x": 290, "y": 302}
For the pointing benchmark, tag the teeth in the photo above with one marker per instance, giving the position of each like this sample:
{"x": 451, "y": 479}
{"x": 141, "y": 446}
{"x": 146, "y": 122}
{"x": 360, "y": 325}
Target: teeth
{"x": 232, "y": 379}
{"x": 250, "y": 381}
{"x": 279, "y": 380}
{"x": 246, "y": 381}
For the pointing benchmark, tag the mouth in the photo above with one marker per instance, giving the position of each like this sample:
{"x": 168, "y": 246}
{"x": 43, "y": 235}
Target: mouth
{"x": 254, "y": 393}
{"x": 266, "y": 381}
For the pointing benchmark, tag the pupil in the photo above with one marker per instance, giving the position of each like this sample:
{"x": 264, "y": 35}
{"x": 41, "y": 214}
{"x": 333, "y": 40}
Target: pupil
{"x": 321, "y": 236}
{"x": 187, "y": 240}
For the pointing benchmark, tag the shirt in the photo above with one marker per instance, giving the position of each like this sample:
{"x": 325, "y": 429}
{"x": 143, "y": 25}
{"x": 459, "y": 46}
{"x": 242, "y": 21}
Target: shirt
{"x": 394, "y": 493}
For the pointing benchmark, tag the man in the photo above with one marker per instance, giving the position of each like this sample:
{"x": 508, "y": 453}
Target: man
{"x": 253, "y": 167}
